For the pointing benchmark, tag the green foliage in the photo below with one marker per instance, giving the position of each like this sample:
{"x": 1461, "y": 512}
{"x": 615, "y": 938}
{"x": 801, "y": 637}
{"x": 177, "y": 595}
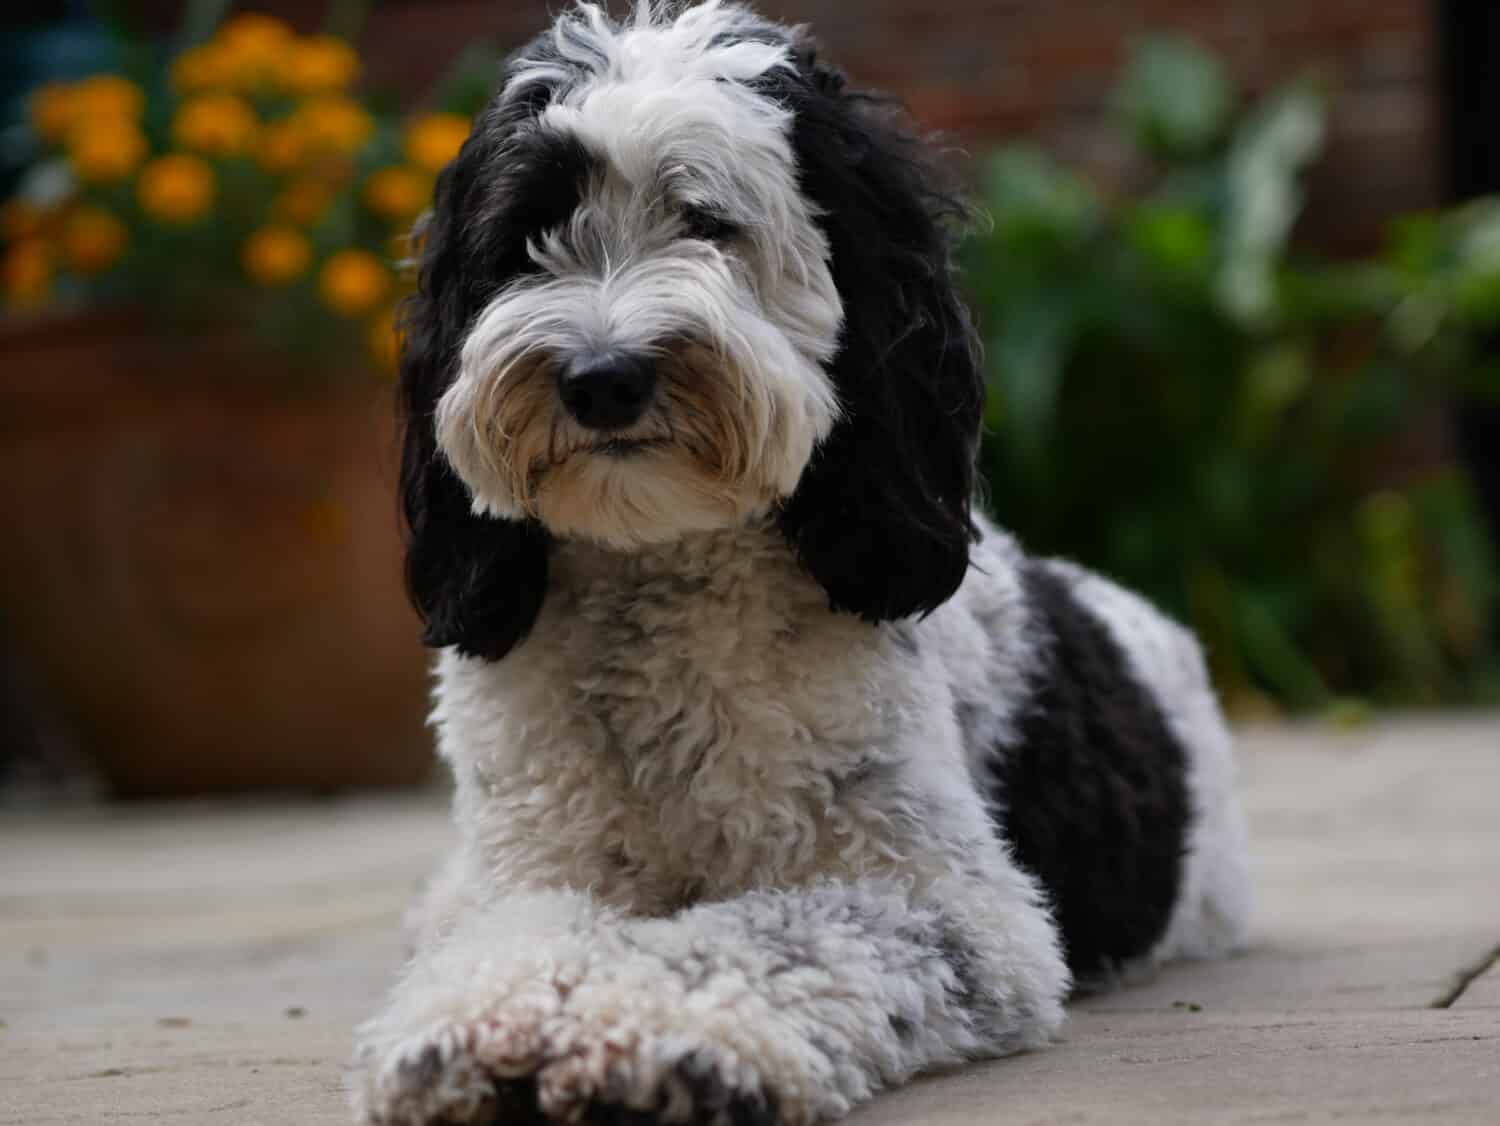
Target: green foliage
{"x": 1175, "y": 401}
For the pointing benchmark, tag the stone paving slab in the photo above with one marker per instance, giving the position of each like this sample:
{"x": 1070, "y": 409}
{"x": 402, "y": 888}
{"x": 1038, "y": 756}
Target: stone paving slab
{"x": 206, "y": 964}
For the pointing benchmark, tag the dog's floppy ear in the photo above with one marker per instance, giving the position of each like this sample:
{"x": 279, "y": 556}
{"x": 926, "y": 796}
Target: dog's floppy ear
{"x": 477, "y": 581}
{"x": 881, "y": 516}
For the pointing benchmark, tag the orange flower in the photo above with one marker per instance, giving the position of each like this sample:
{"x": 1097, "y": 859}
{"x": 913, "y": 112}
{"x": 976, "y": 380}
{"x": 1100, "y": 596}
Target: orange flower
{"x": 353, "y": 282}
{"x": 59, "y": 108}
{"x": 254, "y": 33}
{"x": 26, "y": 272}
{"x": 432, "y": 141}
{"x": 319, "y": 64}
{"x": 52, "y": 110}
{"x": 19, "y": 219}
{"x": 176, "y": 188}
{"x": 253, "y": 46}
{"x": 281, "y": 147}
{"x": 217, "y": 124}
{"x": 104, "y": 151}
{"x": 276, "y": 255}
{"x": 202, "y": 68}
{"x": 108, "y": 97}
{"x": 93, "y": 240}
{"x": 304, "y": 201}
{"x": 397, "y": 193}
{"x": 337, "y": 123}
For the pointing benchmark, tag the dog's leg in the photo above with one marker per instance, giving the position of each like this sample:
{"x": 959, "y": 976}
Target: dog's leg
{"x": 778, "y": 1006}
{"x": 461, "y": 1036}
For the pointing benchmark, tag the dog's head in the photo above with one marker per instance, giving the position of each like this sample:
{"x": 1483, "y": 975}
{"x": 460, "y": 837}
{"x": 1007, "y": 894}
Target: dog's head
{"x": 679, "y": 278}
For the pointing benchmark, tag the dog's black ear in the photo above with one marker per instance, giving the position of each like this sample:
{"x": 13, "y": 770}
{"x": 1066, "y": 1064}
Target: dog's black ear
{"x": 881, "y": 516}
{"x": 477, "y": 581}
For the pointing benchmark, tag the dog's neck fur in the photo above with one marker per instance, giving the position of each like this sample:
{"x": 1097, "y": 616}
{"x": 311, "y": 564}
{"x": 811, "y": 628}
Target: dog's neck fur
{"x": 706, "y": 700}
{"x": 722, "y": 568}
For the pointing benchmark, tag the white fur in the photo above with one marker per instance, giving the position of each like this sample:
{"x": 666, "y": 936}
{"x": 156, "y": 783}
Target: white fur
{"x": 687, "y": 725}
{"x": 621, "y": 275}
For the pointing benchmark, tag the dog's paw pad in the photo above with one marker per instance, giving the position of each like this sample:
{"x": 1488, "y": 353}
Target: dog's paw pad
{"x": 621, "y": 1085}
{"x": 697, "y": 1090}
{"x": 475, "y": 1074}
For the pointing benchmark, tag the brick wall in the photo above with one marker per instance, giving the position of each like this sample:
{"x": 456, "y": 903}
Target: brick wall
{"x": 991, "y": 70}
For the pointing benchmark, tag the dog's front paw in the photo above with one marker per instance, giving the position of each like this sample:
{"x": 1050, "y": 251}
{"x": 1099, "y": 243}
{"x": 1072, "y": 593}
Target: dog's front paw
{"x": 464, "y": 1073}
{"x": 614, "y": 1079}
{"x": 524, "y": 1067}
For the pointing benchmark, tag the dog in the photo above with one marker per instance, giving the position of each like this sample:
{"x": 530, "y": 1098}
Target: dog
{"x": 782, "y": 774}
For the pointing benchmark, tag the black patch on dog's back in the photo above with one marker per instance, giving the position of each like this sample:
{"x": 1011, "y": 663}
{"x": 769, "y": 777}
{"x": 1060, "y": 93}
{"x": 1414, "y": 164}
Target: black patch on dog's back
{"x": 1093, "y": 791}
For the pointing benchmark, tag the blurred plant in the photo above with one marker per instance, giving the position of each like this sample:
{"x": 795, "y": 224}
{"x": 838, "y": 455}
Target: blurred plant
{"x": 1176, "y": 402}
{"x": 241, "y": 175}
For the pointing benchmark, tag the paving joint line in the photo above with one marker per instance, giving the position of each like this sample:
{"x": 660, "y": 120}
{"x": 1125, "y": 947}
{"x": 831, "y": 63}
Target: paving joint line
{"x": 1465, "y": 978}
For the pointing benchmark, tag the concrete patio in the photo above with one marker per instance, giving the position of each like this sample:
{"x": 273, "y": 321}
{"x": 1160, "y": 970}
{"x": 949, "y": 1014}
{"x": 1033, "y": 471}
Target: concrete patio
{"x": 205, "y": 964}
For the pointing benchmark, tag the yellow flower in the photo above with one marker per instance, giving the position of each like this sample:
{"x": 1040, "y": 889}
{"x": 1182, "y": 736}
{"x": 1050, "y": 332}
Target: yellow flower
{"x": 254, "y": 33}
{"x": 385, "y": 340}
{"x": 253, "y": 46}
{"x": 60, "y": 108}
{"x": 353, "y": 282}
{"x": 52, "y": 110}
{"x": 217, "y": 124}
{"x": 176, "y": 188}
{"x": 319, "y": 64}
{"x": 397, "y": 193}
{"x": 276, "y": 255}
{"x": 103, "y": 151}
{"x": 107, "y": 97}
{"x": 19, "y": 219}
{"x": 432, "y": 141}
{"x": 202, "y": 68}
{"x": 281, "y": 147}
{"x": 335, "y": 122}
{"x": 92, "y": 240}
{"x": 26, "y": 272}
{"x": 303, "y": 201}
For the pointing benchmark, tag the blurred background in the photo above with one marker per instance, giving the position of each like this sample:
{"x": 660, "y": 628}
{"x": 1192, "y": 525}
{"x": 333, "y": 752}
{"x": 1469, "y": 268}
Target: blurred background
{"x": 1239, "y": 285}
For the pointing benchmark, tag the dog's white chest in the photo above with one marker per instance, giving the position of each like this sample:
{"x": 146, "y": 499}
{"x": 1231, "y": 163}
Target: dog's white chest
{"x": 680, "y": 722}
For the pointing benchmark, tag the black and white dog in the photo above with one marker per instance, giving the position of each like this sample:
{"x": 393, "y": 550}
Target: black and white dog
{"x": 781, "y": 775}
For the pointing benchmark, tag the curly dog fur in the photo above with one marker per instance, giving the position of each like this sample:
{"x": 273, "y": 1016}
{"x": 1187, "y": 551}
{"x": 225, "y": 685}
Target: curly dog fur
{"x": 782, "y": 775}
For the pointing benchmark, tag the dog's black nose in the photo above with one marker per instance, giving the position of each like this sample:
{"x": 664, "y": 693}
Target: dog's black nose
{"x": 607, "y": 391}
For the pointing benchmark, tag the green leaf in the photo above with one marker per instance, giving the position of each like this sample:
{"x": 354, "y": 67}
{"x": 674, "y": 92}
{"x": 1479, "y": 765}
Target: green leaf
{"x": 1027, "y": 357}
{"x": 1274, "y": 656}
{"x": 1416, "y": 242}
{"x": 1275, "y": 379}
{"x": 1269, "y": 155}
{"x": 1031, "y": 196}
{"x": 1176, "y": 242}
{"x": 1176, "y": 97}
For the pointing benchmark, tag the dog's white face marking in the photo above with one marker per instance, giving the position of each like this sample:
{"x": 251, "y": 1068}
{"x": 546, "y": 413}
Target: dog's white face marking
{"x": 689, "y": 252}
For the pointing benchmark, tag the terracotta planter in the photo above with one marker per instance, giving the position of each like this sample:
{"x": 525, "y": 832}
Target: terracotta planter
{"x": 204, "y": 571}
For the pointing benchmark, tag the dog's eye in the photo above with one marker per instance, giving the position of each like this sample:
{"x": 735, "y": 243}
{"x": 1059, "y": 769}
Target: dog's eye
{"x": 707, "y": 224}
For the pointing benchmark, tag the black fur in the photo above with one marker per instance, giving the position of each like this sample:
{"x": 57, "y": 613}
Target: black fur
{"x": 1093, "y": 794}
{"x": 881, "y": 516}
{"x": 478, "y": 582}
